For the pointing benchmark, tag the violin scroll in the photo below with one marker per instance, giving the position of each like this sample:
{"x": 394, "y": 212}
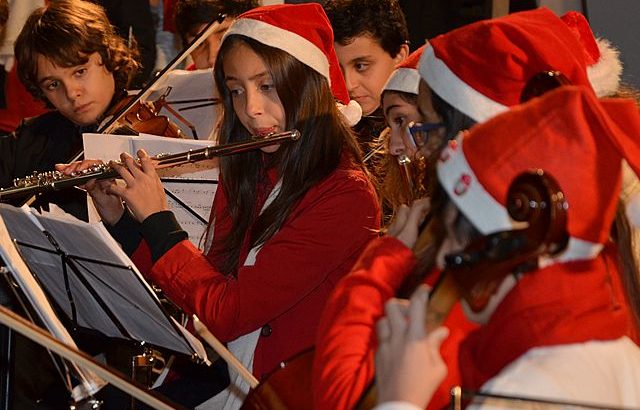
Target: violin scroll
{"x": 541, "y": 83}
{"x": 533, "y": 198}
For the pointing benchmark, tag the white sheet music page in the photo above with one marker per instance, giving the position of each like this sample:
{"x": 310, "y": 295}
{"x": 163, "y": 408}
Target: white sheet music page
{"x": 190, "y": 95}
{"x": 190, "y": 188}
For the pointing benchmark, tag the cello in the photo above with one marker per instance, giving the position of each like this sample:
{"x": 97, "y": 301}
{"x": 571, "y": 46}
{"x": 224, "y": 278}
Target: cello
{"x": 534, "y": 198}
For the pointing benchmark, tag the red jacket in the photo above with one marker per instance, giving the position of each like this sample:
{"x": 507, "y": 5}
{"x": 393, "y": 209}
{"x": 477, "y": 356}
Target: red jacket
{"x": 344, "y": 359}
{"x": 286, "y": 289}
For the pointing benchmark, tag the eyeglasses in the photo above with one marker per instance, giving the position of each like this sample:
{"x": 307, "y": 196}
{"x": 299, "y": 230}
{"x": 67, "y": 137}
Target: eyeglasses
{"x": 422, "y": 137}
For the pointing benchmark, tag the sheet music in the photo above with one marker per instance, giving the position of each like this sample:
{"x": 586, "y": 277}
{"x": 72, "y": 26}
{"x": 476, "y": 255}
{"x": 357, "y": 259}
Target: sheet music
{"x": 188, "y": 198}
{"x": 130, "y": 309}
{"x": 91, "y": 383}
{"x": 186, "y": 88}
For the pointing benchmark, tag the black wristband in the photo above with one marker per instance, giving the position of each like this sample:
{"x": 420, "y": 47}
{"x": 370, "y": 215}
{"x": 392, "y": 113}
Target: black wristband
{"x": 127, "y": 232}
{"x": 162, "y": 232}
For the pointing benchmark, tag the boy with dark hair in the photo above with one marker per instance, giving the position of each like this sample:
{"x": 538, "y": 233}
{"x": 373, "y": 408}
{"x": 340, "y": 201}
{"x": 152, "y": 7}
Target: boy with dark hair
{"x": 371, "y": 38}
{"x": 192, "y": 16}
{"x": 70, "y": 57}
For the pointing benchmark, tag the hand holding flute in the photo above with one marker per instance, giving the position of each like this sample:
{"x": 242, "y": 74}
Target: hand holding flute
{"x": 81, "y": 173}
{"x": 143, "y": 192}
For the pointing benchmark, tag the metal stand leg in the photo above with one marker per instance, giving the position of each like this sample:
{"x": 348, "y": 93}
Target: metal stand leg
{"x": 7, "y": 340}
{"x": 6, "y": 367}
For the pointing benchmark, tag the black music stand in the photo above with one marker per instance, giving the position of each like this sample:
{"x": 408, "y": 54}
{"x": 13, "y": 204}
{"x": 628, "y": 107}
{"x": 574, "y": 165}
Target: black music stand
{"x": 6, "y": 349}
{"x": 13, "y": 347}
{"x": 88, "y": 278}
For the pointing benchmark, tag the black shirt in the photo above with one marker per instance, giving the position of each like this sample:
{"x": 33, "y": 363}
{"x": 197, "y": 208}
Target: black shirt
{"x": 37, "y": 145}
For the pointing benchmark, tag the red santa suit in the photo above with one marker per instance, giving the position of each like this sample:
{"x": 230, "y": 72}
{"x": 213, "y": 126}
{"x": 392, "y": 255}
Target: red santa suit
{"x": 344, "y": 359}
{"x": 565, "y": 331}
{"x": 269, "y": 310}
{"x": 571, "y": 340}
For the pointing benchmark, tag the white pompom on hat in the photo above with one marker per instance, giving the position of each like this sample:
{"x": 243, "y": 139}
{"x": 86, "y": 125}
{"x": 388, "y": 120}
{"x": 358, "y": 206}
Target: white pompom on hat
{"x": 303, "y": 31}
{"x": 604, "y": 67}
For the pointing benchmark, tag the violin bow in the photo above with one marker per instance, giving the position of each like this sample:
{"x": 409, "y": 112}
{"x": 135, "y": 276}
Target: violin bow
{"x": 147, "y": 89}
{"x": 224, "y": 353}
{"x": 79, "y": 358}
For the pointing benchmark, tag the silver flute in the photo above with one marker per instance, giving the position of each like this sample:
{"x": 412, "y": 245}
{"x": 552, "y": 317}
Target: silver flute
{"x": 40, "y": 182}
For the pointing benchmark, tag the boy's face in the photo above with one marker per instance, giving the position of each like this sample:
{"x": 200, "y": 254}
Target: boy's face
{"x": 366, "y": 68}
{"x": 204, "y": 56}
{"x": 81, "y": 93}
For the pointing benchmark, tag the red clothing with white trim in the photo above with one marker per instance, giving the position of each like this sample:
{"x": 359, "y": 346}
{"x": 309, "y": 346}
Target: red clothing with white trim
{"x": 344, "y": 359}
{"x": 294, "y": 272}
{"x": 562, "y": 304}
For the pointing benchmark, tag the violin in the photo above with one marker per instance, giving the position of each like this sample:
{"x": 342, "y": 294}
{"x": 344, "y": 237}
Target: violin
{"x": 143, "y": 118}
{"x": 139, "y": 111}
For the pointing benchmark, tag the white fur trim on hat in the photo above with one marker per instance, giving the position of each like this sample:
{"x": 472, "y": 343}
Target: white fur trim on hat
{"x": 406, "y": 80}
{"x": 299, "y": 47}
{"x": 351, "y": 112}
{"x": 485, "y": 212}
{"x": 455, "y": 91}
{"x": 605, "y": 74}
{"x": 464, "y": 189}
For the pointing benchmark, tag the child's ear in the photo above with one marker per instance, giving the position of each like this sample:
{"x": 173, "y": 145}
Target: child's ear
{"x": 402, "y": 54}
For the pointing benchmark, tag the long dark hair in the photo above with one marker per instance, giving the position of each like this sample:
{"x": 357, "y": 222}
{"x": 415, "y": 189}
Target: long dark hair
{"x": 429, "y": 241}
{"x": 309, "y": 107}
{"x": 453, "y": 119}
{"x": 621, "y": 234}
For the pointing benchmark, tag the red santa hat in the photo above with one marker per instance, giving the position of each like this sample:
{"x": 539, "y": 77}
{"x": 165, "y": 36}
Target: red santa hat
{"x": 604, "y": 67}
{"x": 303, "y": 31}
{"x": 405, "y": 77}
{"x": 569, "y": 134}
{"x": 482, "y": 68}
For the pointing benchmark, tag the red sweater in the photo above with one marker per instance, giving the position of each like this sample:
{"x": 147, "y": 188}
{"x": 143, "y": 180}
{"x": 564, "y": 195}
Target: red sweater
{"x": 20, "y": 104}
{"x": 344, "y": 359}
{"x": 286, "y": 289}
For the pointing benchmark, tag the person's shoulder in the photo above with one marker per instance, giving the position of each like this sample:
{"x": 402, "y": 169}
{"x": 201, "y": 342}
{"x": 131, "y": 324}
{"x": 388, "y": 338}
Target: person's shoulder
{"x": 348, "y": 176}
{"x": 46, "y": 123}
